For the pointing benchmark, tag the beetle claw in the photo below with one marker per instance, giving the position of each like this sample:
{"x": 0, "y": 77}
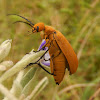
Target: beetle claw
{"x": 35, "y": 51}
{"x": 57, "y": 83}
{"x": 53, "y": 74}
{"x": 70, "y": 73}
{"x": 27, "y": 53}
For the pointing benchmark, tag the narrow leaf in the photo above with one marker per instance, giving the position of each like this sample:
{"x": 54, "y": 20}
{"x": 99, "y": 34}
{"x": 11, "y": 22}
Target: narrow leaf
{"x": 31, "y": 57}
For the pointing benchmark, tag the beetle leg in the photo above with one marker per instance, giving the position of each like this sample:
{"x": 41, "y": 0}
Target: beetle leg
{"x": 45, "y": 69}
{"x": 46, "y": 43}
{"x": 45, "y": 52}
{"x": 39, "y": 66}
{"x": 46, "y": 60}
{"x": 42, "y": 47}
{"x": 39, "y": 63}
{"x": 39, "y": 58}
{"x": 56, "y": 54}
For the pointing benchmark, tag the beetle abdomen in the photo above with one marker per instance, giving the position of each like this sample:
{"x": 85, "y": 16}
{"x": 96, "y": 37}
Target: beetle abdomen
{"x": 58, "y": 66}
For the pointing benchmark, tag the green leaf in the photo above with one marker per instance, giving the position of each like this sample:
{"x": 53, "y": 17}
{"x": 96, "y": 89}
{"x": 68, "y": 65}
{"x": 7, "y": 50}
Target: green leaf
{"x": 28, "y": 76}
{"x": 40, "y": 86}
{"x": 31, "y": 84}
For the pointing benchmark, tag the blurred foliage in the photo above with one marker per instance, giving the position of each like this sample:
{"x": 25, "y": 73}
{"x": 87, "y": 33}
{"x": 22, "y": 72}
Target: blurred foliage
{"x": 68, "y": 16}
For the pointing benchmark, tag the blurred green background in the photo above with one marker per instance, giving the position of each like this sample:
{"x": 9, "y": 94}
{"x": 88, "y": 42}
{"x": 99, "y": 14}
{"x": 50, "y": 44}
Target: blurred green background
{"x": 79, "y": 22}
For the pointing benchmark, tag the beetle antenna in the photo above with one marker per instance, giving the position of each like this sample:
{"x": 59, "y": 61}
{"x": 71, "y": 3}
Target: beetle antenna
{"x": 23, "y": 22}
{"x": 23, "y": 18}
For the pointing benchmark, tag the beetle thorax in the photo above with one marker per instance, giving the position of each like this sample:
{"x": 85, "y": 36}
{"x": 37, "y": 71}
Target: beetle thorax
{"x": 49, "y": 30}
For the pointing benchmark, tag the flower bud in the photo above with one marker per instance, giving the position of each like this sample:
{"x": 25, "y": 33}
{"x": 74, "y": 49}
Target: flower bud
{"x": 7, "y": 64}
{"x": 5, "y": 49}
{"x": 2, "y": 68}
{"x": 45, "y": 61}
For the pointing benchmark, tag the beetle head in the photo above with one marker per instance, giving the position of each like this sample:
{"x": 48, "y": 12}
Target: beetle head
{"x": 38, "y": 27}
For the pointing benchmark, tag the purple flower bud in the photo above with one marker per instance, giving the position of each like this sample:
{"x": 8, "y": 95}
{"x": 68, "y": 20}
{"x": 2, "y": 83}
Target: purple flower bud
{"x": 42, "y": 44}
{"x": 46, "y": 59}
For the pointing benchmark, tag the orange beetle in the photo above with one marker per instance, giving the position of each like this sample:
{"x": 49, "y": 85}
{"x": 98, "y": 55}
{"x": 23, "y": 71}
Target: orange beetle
{"x": 62, "y": 55}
